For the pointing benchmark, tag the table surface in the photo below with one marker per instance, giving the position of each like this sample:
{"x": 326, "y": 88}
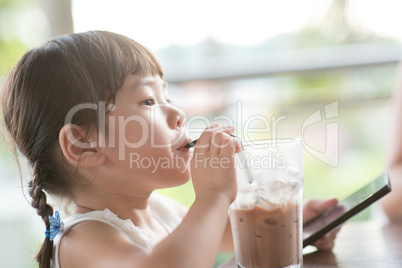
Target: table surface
{"x": 359, "y": 244}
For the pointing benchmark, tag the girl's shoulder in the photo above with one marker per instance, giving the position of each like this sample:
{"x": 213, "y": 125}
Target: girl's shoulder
{"x": 107, "y": 219}
{"x": 105, "y": 240}
{"x": 104, "y": 230}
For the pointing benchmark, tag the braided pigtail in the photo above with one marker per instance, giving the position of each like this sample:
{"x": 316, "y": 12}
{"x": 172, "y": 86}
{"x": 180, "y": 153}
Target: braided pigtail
{"x": 39, "y": 202}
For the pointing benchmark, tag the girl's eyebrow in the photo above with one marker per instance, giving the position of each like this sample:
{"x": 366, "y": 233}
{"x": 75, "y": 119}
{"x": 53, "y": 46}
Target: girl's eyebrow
{"x": 149, "y": 82}
{"x": 144, "y": 82}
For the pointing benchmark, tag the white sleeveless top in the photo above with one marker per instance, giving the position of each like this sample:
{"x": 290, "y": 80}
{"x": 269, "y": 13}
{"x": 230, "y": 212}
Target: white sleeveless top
{"x": 161, "y": 208}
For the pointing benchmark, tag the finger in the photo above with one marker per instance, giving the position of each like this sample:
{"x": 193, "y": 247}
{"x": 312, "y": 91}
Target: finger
{"x": 324, "y": 245}
{"x": 334, "y": 232}
{"x": 233, "y": 146}
{"x": 203, "y": 142}
{"x": 321, "y": 205}
{"x": 220, "y": 139}
{"x": 237, "y": 143}
{"x": 327, "y": 242}
{"x": 329, "y": 203}
{"x": 315, "y": 207}
{"x": 227, "y": 154}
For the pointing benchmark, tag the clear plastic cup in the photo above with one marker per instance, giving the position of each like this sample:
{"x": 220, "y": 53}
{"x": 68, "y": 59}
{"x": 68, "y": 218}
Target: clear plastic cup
{"x": 266, "y": 217}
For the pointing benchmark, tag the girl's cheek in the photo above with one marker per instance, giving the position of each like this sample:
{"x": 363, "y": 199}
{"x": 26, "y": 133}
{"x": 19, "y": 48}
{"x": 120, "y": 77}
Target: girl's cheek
{"x": 134, "y": 132}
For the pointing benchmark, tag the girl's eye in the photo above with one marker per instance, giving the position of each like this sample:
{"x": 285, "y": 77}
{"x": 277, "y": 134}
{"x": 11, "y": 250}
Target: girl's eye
{"x": 149, "y": 102}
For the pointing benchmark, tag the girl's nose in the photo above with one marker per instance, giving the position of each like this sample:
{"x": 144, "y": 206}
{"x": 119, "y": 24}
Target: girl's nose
{"x": 176, "y": 117}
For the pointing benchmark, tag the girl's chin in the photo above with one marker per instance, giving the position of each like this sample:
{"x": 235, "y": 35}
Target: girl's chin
{"x": 183, "y": 154}
{"x": 176, "y": 177}
{"x": 183, "y": 177}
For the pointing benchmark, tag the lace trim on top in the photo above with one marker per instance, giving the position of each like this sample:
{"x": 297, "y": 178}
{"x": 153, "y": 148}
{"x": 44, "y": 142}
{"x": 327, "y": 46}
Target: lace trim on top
{"x": 127, "y": 227}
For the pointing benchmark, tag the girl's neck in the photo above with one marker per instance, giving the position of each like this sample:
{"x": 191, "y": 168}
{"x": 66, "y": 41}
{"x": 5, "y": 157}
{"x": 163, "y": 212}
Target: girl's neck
{"x": 131, "y": 207}
{"x": 83, "y": 209}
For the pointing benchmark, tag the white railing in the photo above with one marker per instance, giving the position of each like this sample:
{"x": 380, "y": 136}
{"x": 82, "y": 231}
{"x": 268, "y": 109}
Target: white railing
{"x": 282, "y": 61}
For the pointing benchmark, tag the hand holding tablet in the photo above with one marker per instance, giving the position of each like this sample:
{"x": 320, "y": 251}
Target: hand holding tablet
{"x": 332, "y": 218}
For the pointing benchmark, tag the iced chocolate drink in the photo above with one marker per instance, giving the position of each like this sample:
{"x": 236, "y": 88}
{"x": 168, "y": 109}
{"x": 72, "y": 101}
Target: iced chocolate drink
{"x": 267, "y": 238}
{"x": 266, "y": 216}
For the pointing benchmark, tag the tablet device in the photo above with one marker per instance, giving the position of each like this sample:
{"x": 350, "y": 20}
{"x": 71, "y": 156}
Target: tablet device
{"x": 331, "y": 218}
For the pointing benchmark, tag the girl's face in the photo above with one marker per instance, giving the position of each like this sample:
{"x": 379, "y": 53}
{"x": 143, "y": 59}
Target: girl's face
{"x": 146, "y": 135}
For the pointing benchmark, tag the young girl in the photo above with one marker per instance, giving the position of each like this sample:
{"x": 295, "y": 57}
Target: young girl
{"x": 91, "y": 113}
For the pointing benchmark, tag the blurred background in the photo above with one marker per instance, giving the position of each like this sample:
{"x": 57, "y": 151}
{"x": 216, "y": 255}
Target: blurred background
{"x": 281, "y": 60}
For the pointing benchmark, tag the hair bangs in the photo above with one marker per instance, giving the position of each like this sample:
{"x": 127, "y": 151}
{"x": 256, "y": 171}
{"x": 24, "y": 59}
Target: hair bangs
{"x": 122, "y": 57}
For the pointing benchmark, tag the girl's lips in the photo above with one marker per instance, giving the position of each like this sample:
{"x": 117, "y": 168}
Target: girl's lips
{"x": 191, "y": 143}
{"x": 184, "y": 147}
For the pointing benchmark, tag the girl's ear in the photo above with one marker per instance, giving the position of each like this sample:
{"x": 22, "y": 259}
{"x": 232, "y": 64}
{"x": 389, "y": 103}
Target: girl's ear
{"x": 79, "y": 147}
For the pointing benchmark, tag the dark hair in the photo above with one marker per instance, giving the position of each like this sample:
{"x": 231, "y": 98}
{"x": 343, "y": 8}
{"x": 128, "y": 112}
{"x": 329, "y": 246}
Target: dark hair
{"x": 46, "y": 84}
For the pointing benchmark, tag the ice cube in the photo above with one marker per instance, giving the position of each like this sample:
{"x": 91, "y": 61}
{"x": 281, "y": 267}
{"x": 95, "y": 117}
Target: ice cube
{"x": 266, "y": 203}
{"x": 246, "y": 196}
{"x": 278, "y": 191}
